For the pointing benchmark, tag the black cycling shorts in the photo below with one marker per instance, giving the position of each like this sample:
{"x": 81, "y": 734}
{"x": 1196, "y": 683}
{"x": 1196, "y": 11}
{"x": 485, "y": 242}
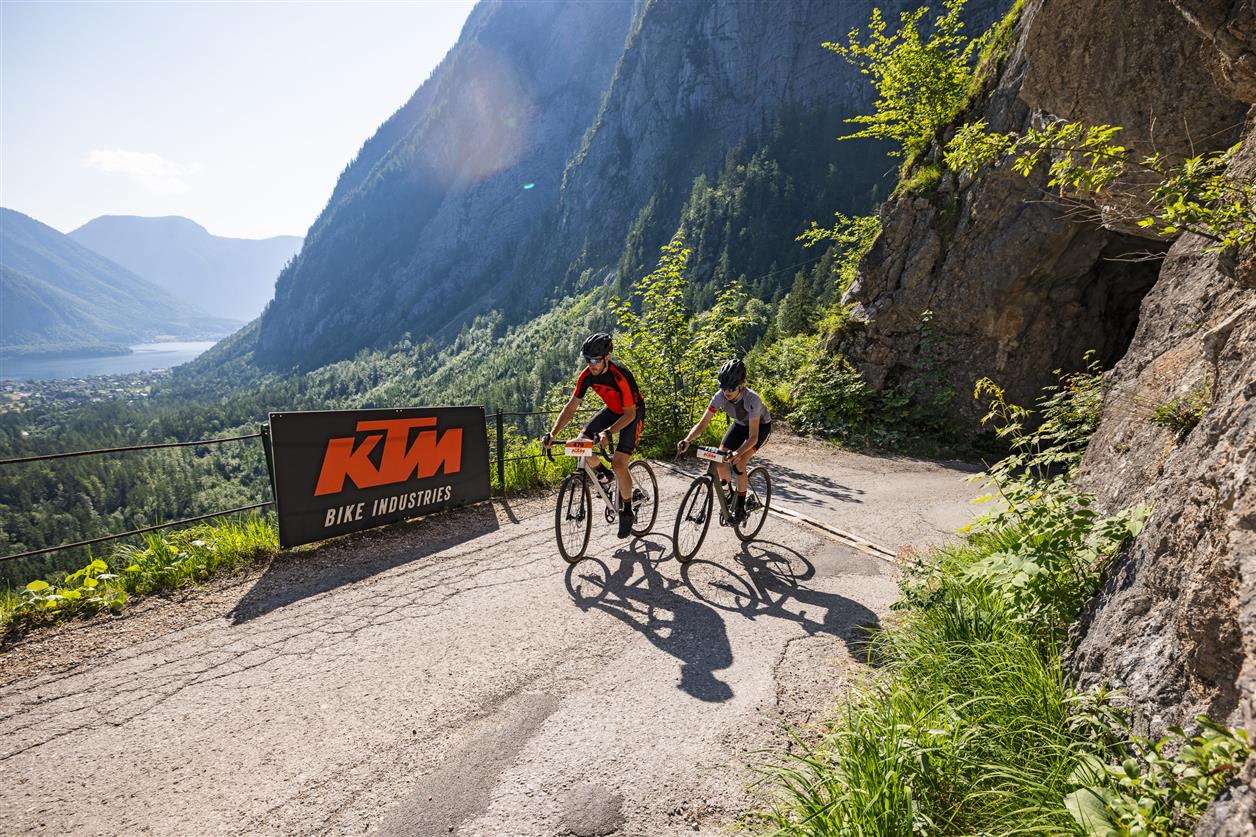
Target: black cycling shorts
{"x": 627, "y": 436}
{"x": 737, "y": 434}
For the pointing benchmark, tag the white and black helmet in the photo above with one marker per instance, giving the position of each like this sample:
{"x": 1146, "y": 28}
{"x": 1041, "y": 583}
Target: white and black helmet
{"x": 732, "y": 374}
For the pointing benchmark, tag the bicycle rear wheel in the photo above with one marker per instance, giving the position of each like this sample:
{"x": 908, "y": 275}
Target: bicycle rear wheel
{"x": 573, "y": 518}
{"x": 692, "y": 520}
{"x": 645, "y": 496}
{"x": 758, "y": 500}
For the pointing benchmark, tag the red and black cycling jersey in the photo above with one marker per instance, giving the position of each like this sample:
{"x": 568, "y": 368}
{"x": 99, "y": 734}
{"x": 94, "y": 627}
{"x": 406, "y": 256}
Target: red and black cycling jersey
{"x": 615, "y": 385}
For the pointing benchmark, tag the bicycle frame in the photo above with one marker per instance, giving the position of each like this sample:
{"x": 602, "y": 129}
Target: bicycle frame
{"x": 585, "y": 452}
{"x": 714, "y": 456}
{"x": 696, "y": 508}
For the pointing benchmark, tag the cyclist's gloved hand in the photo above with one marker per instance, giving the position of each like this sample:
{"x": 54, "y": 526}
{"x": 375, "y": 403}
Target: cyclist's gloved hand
{"x": 547, "y": 440}
{"x": 682, "y": 446}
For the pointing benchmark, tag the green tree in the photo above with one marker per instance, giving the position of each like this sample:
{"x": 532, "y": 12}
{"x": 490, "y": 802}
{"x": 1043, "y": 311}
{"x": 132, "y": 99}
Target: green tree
{"x": 673, "y": 355}
{"x": 1198, "y": 195}
{"x": 922, "y": 82}
{"x": 798, "y": 309}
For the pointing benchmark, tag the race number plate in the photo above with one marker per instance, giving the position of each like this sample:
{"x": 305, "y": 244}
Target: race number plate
{"x": 711, "y": 454}
{"x": 578, "y": 448}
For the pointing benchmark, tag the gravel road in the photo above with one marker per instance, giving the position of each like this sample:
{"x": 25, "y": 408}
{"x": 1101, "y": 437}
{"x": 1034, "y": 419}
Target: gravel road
{"x": 448, "y": 676}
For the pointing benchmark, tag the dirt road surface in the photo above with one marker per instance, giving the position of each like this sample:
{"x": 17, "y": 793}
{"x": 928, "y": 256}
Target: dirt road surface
{"x": 451, "y": 676}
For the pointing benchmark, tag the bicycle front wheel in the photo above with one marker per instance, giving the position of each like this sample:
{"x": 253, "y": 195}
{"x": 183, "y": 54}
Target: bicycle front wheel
{"x": 645, "y": 496}
{"x": 573, "y": 518}
{"x": 692, "y": 520}
{"x": 758, "y": 500}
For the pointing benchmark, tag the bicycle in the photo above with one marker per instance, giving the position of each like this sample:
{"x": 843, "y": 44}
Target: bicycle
{"x": 573, "y": 516}
{"x": 693, "y": 518}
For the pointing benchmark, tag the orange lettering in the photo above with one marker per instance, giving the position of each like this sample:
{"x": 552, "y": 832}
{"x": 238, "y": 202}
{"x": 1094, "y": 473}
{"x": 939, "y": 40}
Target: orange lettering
{"x": 398, "y": 463}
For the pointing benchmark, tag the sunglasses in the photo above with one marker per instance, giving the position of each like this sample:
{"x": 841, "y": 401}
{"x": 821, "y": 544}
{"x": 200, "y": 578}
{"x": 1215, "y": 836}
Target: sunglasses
{"x": 593, "y": 360}
{"x": 732, "y": 391}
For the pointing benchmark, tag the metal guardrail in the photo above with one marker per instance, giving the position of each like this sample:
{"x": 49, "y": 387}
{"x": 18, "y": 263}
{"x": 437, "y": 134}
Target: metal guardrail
{"x": 496, "y": 419}
{"x": 262, "y": 434}
{"x": 46, "y": 456}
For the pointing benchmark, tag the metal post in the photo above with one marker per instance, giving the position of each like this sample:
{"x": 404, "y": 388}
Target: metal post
{"x": 270, "y": 461}
{"x": 501, "y": 452}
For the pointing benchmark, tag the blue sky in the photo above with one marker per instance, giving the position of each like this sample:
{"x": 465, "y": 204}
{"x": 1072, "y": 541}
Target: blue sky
{"x": 238, "y": 115}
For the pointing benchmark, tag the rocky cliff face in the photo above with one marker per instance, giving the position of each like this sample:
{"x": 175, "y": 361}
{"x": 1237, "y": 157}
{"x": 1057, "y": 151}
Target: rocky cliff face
{"x": 1017, "y": 285}
{"x": 1017, "y": 289}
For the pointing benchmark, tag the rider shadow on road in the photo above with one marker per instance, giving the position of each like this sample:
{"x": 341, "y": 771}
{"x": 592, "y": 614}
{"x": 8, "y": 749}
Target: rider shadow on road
{"x": 770, "y": 584}
{"x": 294, "y": 576}
{"x": 689, "y": 630}
{"x": 682, "y": 616}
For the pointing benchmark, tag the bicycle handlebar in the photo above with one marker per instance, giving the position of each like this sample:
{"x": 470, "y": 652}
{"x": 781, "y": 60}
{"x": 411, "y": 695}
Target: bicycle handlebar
{"x": 601, "y": 451}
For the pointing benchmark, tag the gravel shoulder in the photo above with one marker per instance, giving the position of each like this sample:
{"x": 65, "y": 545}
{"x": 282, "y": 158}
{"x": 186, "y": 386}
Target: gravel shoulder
{"x": 452, "y": 675}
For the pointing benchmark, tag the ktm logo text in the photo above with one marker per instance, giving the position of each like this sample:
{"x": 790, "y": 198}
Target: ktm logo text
{"x": 397, "y": 463}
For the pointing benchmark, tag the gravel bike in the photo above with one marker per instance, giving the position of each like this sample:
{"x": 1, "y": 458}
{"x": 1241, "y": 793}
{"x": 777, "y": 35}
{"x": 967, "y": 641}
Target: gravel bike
{"x": 693, "y": 518}
{"x": 573, "y": 517}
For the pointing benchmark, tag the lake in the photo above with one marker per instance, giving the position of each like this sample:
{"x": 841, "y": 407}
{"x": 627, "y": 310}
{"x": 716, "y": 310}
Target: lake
{"x": 144, "y": 357}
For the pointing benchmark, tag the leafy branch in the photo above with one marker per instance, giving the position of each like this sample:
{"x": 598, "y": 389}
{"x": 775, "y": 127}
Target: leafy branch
{"x": 922, "y": 83}
{"x": 1197, "y": 195}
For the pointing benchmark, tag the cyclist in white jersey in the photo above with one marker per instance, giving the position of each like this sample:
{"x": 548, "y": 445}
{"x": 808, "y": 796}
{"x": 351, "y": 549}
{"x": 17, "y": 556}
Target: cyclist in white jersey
{"x": 751, "y": 425}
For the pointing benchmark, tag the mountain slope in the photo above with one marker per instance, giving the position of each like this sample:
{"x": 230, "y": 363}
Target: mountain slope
{"x": 226, "y": 277}
{"x": 553, "y": 138}
{"x": 440, "y": 197}
{"x": 56, "y": 295}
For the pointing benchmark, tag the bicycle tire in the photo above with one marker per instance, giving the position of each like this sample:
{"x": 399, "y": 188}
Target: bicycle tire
{"x": 574, "y": 504}
{"x": 643, "y": 480}
{"x": 695, "y": 510}
{"x": 762, "y": 494}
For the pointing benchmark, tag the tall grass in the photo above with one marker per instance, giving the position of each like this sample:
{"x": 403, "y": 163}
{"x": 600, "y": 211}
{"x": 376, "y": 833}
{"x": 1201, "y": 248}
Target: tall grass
{"x": 968, "y": 724}
{"x": 165, "y": 561}
{"x": 967, "y": 728}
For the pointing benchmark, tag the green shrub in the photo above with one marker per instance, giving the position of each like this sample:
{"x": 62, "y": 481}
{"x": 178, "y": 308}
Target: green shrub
{"x": 922, "y": 82}
{"x": 921, "y": 180}
{"x": 1161, "y": 787}
{"x": 167, "y": 561}
{"x": 772, "y": 369}
{"x": 1181, "y": 414}
{"x": 829, "y": 395}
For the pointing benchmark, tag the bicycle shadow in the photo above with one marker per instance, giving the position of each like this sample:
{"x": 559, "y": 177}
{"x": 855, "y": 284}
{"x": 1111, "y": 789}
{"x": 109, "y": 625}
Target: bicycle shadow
{"x": 768, "y": 582}
{"x": 686, "y": 628}
{"x": 772, "y": 586}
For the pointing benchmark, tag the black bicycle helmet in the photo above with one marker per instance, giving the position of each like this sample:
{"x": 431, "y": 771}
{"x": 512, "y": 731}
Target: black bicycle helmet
{"x": 732, "y": 374}
{"x": 597, "y": 346}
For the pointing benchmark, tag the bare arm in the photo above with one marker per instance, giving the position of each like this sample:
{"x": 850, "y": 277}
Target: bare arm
{"x": 573, "y": 404}
{"x": 696, "y": 430}
{"x": 630, "y": 415}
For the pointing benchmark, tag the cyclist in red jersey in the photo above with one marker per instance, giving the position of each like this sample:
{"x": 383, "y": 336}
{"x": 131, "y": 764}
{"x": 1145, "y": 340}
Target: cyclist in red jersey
{"x": 624, "y": 414}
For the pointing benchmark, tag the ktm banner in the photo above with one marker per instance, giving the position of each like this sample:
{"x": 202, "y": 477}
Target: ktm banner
{"x": 340, "y": 471}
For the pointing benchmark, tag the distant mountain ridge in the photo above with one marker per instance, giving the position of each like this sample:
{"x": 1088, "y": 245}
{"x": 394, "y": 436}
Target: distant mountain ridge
{"x": 226, "y": 277}
{"x": 57, "y": 295}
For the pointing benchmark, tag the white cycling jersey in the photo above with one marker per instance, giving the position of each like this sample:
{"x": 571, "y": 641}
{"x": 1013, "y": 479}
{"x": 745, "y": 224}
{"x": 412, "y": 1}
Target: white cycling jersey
{"x": 746, "y": 407}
